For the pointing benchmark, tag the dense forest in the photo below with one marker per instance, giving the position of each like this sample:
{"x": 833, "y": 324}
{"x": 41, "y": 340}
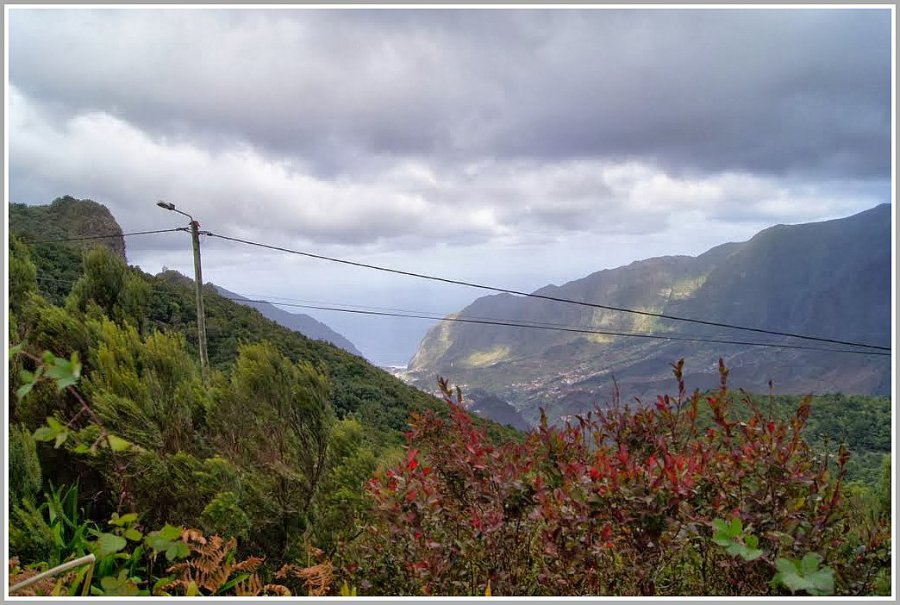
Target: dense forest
{"x": 297, "y": 468}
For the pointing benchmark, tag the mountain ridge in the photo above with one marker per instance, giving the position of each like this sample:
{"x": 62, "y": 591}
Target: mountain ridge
{"x": 68, "y": 218}
{"x": 810, "y": 278}
{"x": 298, "y": 322}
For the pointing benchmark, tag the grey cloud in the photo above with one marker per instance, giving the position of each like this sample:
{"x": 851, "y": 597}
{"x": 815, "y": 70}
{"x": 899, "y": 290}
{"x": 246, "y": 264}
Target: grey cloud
{"x": 400, "y": 202}
{"x": 782, "y": 92}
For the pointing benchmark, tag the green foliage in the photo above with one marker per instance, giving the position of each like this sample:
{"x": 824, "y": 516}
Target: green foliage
{"x": 736, "y": 542}
{"x": 224, "y": 516}
{"x": 247, "y": 455}
{"x": 22, "y": 274}
{"x": 67, "y": 217}
{"x": 24, "y": 466}
{"x": 378, "y": 400}
{"x": 860, "y": 422}
{"x": 147, "y": 390}
{"x": 127, "y": 562}
{"x": 272, "y": 419}
{"x": 119, "y": 586}
{"x": 884, "y": 488}
{"x": 108, "y": 544}
{"x": 64, "y": 372}
{"x": 109, "y": 284}
{"x": 48, "y": 328}
{"x": 58, "y": 267}
{"x": 53, "y": 531}
{"x": 168, "y": 541}
{"x": 341, "y": 503}
{"x": 53, "y": 431}
{"x": 805, "y": 575}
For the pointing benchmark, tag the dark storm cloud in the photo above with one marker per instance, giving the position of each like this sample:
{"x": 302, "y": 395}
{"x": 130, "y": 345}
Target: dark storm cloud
{"x": 693, "y": 91}
{"x": 776, "y": 91}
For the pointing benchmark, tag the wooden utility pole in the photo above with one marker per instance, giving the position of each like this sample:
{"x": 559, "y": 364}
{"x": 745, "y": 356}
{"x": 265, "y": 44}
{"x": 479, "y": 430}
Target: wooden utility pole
{"x": 198, "y": 284}
{"x": 201, "y": 311}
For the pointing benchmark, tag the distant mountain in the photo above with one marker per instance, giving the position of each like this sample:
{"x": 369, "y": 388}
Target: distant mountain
{"x": 297, "y": 322}
{"x": 829, "y": 279}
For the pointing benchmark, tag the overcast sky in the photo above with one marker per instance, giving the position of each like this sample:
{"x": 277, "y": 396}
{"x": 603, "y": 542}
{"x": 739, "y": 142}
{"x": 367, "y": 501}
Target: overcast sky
{"x": 513, "y": 147}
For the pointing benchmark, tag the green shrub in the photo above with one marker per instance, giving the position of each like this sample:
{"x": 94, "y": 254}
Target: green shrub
{"x": 24, "y": 466}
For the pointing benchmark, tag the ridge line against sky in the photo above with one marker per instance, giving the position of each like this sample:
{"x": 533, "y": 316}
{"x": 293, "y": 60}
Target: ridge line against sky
{"x": 521, "y": 146}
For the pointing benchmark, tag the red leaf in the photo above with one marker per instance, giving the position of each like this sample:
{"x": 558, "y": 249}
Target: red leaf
{"x": 411, "y": 462}
{"x": 623, "y": 454}
{"x": 606, "y": 533}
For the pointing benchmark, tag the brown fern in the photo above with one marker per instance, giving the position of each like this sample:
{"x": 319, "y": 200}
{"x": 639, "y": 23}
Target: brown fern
{"x": 212, "y": 565}
{"x": 275, "y": 590}
{"x": 193, "y": 535}
{"x": 317, "y": 578}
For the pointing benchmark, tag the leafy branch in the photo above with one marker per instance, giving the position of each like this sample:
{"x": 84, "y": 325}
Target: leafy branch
{"x": 65, "y": 374}
{"x": 795, "y": 575}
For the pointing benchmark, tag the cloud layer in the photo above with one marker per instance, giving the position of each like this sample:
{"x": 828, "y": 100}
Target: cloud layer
{"x": 520, "y": 138}
{"x": 779, "y": 91}
{"x": 241, "y": 191}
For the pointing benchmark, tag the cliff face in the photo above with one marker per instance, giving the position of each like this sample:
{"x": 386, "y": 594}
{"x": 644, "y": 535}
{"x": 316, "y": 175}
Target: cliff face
{"x": 68, "y": 218}
{"x": 830, "y": 279}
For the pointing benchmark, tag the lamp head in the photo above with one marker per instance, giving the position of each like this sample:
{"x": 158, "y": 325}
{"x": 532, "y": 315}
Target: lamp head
{"x": 166, "y": 205}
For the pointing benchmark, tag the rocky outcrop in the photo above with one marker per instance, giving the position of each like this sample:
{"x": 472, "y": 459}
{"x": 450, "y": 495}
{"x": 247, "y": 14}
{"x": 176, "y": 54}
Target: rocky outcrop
{"x": 68, "y": 218}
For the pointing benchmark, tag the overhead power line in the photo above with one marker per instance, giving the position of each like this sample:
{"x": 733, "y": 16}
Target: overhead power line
{"x": 544, "y": 296}
{"x": 91, "y": 237}
{"x": 413, "y": 314}
{"x": 557, "y": 327}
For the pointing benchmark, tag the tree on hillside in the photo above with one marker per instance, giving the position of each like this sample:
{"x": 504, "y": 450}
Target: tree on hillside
{"x": 22, "y": 274}
{"x": 109, "y": 284}
{"x": 273, "y": 418}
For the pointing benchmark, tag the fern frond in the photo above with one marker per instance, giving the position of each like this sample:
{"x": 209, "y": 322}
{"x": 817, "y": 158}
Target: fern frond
{"x": 193, "y": 535}
{"x": 317, "y": 578}
{"x": 275, "y": 590}
{"x": 250, "y": 564}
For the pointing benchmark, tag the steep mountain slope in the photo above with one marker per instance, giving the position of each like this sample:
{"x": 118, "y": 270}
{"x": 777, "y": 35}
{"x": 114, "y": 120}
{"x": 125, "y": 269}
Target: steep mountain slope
{"x": 298, "y": 322}
{"x": 830, "y": 279}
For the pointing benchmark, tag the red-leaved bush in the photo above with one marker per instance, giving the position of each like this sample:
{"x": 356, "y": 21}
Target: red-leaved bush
{"x": 619, "y": 502}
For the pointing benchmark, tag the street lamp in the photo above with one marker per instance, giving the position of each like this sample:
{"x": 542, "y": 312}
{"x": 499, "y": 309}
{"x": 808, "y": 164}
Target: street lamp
{"x": 198, "y": 282}
{"x": 171, "y": 206}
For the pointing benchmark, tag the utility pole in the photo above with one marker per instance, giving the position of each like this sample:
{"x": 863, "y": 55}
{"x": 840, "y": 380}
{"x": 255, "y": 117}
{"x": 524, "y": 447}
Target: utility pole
{"x": 198, "y": 284}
